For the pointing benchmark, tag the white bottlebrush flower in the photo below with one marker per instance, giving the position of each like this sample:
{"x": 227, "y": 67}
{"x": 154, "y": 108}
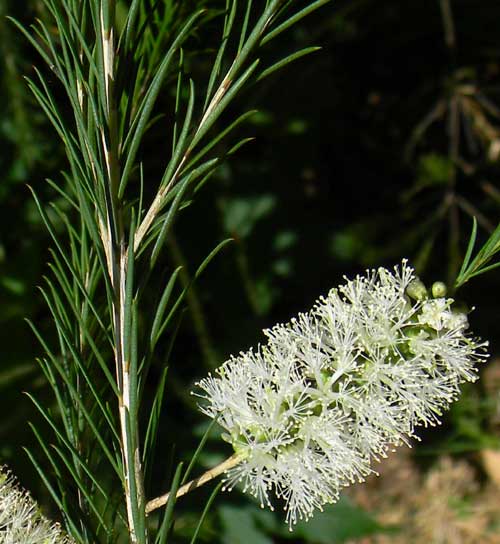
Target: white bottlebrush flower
{"x": 339, "y": 387}
{"x": 20, "y": 519}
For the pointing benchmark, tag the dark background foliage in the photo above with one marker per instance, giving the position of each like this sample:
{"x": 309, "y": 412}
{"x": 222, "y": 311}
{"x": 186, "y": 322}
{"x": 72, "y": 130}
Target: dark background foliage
{"x": 381, "y": 146}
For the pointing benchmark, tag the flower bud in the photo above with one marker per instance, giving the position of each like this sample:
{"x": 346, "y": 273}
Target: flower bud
{"x": 438, "y": 289}
{"x": 416, "y": 290}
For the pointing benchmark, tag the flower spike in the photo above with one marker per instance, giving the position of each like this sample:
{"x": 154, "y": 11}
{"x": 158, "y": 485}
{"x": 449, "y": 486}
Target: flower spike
{"x": 20, "y": 517}
{"x": 340, "y": 386}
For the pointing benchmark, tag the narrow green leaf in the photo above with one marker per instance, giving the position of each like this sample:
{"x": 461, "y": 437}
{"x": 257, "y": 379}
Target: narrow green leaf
{"x": 132, "y": 16}
{"x": 468, "y": 253}
{"x": 170, "y": 172}
{"x": 239, "y": 145}
{"x": 178, "y": 92}
{"x": 479, "y": 264}
{"x": 74, "y": 452}
{"x": 293, "y": 20}
{"x": 83, "y": 488}
{"x": 89, "y": 337}
{"x": 62, "y": 193}
{"x": 218, "y": 137}
{"x": 65, "y": 32}
{"x": 167, "y": 520}
{"x": 80, "y": 364}
{"x": 244, "y": 26}
{"x": 63, "y": 254}
{"x": 199, "y": 449}
{"x": 228, "y": 26}
{"x": 40, "y": 50}
{"x": 213, "y": 115}
{"x": 204, "y": 180}
{"x": 176, "y": 204}
{"x": 61, "y": 398}
{"x": 154, "y": 417}
{"x": 160, "y": 310}
{"x": 211, "y": 255}
{"x": 64, "y": 492}
{"x": 169, "y": 218}
{"x": 76, "y": 397}
{"x": 129, "y": 292}
{"x": 199, "y": 271}
{"x": 70, "y": 523}
{"x": 485, "y": 269}
{"x": 191, "y": 176}
{"x": 205, "y": 511}
{"x": 134, "y": 138}
{"x": 150, "y": 450}
{"x": 287, "y": 60}
{"x": 55, "y": 467}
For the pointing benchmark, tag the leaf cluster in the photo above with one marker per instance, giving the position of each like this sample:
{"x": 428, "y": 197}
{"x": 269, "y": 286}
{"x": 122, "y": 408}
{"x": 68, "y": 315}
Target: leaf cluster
{"x": 480, "y": 263}
{"x": 107, "y": 67}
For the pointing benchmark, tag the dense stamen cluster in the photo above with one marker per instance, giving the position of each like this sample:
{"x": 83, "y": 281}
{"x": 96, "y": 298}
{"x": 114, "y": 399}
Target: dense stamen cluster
{"x": 339, "y": 387}
{"x": 20, "y": 517}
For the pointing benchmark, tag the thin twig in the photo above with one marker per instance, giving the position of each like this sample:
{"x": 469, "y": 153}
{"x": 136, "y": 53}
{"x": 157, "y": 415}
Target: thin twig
{"x": 471, "y": 210}
{"x": 449, "y": 26}
{"x": 491, "y": 190}
{"x": 197, "y": 482}
{"x": 241, "y": 57}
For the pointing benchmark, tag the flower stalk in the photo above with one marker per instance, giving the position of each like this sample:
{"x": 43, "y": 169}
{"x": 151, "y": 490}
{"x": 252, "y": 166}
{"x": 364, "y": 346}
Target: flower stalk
{"x": 207, "y": 476}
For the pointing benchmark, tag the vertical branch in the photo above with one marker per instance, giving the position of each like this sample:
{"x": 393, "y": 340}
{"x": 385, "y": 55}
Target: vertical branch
{"x": 82, "y": 50}
{"x": 119, "y": 271}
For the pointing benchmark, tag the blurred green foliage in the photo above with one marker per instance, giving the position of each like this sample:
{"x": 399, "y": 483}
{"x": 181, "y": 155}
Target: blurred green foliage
{"x": 382, "y": 145}
{"x": 28, "y": 153}
{"x": 251, "y": 525}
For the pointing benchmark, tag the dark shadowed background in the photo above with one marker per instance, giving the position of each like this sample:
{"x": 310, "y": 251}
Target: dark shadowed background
{"x": 382, "y": 145}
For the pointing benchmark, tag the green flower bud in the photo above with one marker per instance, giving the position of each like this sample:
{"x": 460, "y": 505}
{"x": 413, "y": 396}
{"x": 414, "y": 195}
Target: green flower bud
{"x": 438, "y": 289}
{"x": 416, "y": 290}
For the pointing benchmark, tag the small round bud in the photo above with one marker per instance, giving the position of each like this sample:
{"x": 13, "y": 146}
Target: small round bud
{"x": 416, "y": 290}
{"x": 438, "y": 289}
